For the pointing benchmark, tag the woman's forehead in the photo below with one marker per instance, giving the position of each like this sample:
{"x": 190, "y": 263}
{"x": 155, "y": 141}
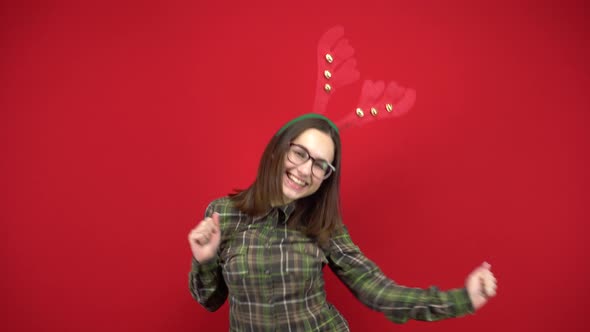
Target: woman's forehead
{"x": 319, "y": 144}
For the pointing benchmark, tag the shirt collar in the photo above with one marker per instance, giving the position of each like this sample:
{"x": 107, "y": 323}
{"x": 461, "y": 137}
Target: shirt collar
{"x": 286, "y": 209}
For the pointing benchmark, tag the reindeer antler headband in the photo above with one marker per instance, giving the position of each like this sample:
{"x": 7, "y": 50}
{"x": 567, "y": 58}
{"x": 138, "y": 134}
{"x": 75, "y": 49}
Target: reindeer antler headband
{"x": 337, "y": 68}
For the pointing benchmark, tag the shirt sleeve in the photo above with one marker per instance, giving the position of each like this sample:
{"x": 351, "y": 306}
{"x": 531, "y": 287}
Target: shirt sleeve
{"x": 205, "y": 280}
{"x": 399, "y": 304}
{"x": 206, "y": 284}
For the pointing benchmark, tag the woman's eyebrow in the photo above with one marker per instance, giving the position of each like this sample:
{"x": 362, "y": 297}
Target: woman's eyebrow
{"x": 314, "y": 157}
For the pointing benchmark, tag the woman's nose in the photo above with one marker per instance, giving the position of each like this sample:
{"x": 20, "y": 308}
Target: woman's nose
{"x": 305, "y": 168}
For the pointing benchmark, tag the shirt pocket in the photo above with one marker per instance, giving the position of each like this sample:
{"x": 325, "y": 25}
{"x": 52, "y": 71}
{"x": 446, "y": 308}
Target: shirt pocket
{"x": 306, "y": 261}
{"x": 235, "y": 267}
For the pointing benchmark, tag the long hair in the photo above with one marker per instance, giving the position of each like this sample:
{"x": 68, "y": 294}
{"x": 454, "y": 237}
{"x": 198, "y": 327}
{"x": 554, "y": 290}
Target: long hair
{"x": 317, "y": 215}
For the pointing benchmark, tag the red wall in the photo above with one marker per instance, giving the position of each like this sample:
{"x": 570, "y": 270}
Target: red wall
{"x": 119, "y": 123}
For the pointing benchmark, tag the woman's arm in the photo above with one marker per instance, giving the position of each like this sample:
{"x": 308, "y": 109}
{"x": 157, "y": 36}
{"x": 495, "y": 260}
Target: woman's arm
{"x": 375, "y": 290}
{"x": 206, "y": 284}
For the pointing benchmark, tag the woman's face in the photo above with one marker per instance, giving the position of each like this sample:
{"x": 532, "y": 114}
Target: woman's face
{"x": 298, "y": 180}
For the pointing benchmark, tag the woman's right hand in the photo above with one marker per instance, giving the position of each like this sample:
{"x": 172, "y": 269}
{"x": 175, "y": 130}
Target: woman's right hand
{"x": 204, "y": 239}
{"x": 481, "y": 285}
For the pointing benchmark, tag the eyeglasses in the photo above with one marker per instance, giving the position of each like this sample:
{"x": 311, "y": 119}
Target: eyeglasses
{"x": 320, "y": 168}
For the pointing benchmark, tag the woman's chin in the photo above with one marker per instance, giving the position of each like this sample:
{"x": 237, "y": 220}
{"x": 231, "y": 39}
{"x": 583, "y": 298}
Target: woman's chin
{"x": 291, "y": 194}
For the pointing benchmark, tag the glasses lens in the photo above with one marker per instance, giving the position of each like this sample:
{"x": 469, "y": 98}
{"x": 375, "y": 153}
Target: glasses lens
{"x": 320, "y": 168}
{"x": 297, "y": 155}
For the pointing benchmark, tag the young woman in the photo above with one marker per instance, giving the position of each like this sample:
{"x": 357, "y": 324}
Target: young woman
{"x": 265, "y": 247}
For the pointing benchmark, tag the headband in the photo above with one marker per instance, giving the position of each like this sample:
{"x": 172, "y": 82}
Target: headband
{"x": 308, "y": 116}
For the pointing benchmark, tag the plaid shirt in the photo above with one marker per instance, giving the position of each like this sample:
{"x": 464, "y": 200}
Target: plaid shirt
{"x": 273, "y": 276}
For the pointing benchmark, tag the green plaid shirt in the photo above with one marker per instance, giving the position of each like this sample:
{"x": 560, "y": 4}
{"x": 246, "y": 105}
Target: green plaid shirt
{"x": 273, "y": 277}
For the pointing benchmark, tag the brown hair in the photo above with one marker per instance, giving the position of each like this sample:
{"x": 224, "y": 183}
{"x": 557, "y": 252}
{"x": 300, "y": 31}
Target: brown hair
{"x": 317, "y": 215}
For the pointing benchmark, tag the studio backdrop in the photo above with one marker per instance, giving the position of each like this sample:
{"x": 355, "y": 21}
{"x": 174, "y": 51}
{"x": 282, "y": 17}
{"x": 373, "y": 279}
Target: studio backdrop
{"x": 121, "y": 121}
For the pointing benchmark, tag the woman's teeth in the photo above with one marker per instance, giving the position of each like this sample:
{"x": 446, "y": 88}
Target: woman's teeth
{"x": 296, "y": 180}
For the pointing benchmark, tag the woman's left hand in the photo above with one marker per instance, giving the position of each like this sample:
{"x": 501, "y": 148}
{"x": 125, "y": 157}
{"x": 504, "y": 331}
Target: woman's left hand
{"x": 481, "y": 285}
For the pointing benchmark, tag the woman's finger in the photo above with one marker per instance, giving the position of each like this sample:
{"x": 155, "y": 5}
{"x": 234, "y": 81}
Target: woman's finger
{"x": 201, "y": 238}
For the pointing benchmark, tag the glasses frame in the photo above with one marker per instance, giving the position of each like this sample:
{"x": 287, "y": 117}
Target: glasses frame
{"x": 313, "y": 160}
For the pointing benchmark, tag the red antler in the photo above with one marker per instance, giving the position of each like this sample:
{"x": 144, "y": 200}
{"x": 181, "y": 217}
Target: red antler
{"x": 377, "y": 102}
{"x": 337, "y": 68}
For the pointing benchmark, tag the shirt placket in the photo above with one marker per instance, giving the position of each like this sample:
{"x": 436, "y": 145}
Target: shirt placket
{"x": 270, "y": 264}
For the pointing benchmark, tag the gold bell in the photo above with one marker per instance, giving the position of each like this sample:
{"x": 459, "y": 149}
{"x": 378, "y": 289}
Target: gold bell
{"x": 327, "y": 87}
{"x": 329, "y": 58}
{"x": 373, "y": 111}
{"x": 389, "y": 107}
{"x": 327, "y": 74}
{"x": 360, "y": 112}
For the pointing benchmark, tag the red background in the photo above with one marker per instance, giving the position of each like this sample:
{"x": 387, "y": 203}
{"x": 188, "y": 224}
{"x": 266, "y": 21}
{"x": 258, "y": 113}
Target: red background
{"x": 120, "y": 122}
